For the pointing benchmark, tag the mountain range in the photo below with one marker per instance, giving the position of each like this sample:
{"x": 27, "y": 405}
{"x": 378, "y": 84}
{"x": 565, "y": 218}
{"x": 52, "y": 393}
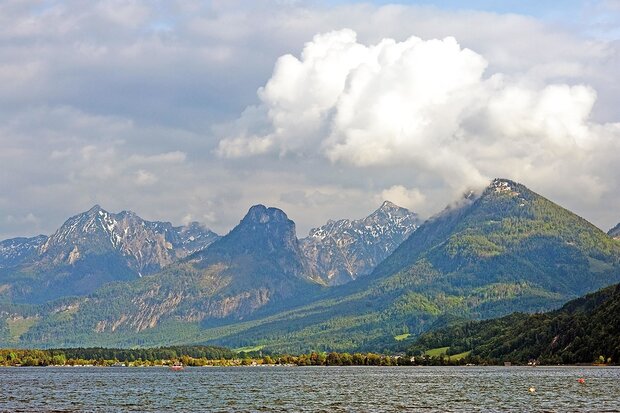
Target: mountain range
{"x": 508, "y": 249}
{"x": 615, "y": 232}
{"x": 350, "y": 285}
{"x": 97, "y": 247}
{"x": 90, "y": 250}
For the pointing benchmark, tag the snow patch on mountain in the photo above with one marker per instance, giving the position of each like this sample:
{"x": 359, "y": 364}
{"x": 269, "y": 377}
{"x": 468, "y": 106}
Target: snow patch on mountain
{"x": 142, "y": 246}
{"x": 14, "y": 251}
{"x": 340, "y": 251}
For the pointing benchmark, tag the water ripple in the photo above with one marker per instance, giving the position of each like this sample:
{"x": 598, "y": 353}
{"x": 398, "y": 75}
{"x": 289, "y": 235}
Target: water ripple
{"x": 310, "y": 389}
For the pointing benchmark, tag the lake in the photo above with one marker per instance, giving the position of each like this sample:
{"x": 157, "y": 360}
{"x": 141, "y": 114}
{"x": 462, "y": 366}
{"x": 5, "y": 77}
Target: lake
{"x": 309, "y": 389}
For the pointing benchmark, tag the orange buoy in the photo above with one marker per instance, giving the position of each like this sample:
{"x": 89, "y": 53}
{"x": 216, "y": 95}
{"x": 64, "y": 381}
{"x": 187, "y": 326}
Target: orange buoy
{"x": 581, "y": 380}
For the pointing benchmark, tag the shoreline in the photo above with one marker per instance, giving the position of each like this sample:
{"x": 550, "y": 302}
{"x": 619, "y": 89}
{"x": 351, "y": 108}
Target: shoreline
{"x": 167, "y": 367}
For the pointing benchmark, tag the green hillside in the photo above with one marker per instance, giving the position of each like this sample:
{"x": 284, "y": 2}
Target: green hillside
{"x": 507, "y": 250}
{"x": 509, "y": 235}
{"x": 258, "y": 264}
{"x": 583, "y": 330}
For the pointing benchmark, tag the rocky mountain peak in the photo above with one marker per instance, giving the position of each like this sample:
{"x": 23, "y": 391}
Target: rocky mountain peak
{"x": 264, "y": 235}
{"x": 14, "y": 251}
{"x": 260, "y": 214}
{"x": 268, "y": 226}
{"x": 507, "y": 195}
{"x": 95, "y": 209}
{"x": 97, "y": 246}
{"x": 391, "y": 212}
{"x": 342, "y": 250}
{"x": 388, "y": 206}
{"x": 615, "y": 232}
{"x": 504, "y": 187}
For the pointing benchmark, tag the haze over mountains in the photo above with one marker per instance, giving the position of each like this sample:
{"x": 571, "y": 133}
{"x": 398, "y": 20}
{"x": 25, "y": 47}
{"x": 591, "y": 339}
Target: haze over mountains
{"x": 507, "y": 250}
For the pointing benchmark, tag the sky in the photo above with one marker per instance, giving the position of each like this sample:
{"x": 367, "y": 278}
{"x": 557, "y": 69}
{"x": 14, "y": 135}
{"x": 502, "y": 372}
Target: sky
{"x": 195, "y": 110}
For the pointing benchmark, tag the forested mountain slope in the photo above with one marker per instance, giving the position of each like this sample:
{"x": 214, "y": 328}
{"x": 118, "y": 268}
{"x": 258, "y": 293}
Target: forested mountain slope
{"x": 258, "y": 264}
{"x": 583, "y": 330}
{"x": 507, "y": 250}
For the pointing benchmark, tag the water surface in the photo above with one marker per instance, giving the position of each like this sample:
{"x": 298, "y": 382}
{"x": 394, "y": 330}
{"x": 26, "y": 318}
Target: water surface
{"x": 310, "y": 389}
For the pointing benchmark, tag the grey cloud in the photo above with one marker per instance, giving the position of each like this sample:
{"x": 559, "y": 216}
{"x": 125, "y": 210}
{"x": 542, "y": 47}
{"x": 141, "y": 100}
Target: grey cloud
{"x": 123, "y": 103}
{"x": 426, "y": 104}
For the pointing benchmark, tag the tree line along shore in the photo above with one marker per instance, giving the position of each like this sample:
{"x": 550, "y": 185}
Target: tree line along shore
{"x": 192, "y": 356}
{"x": 200, "y": 356}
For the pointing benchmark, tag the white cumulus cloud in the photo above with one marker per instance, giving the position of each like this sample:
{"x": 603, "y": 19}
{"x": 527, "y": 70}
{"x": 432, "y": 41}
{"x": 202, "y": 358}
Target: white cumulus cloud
{"x": 126, "y": 103}
{"x": 429, "y": 105}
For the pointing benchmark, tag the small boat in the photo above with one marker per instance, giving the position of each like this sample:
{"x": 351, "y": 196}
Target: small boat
{"x": 176, "y": 366}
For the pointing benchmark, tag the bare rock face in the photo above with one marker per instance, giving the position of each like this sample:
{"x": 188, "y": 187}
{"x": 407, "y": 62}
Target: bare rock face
{"x": 96, "y": 247}
{"x": 615, "y": 232}
{"x": 507, "y": 249}
{"x": 265, "y": 235}
{"x": 144, "y": 246}
{"x": 343, "y": 250}
{"x": 258, "y": 264}
{"x": 15, "y": 251}
{"x": 262, "y": 259}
